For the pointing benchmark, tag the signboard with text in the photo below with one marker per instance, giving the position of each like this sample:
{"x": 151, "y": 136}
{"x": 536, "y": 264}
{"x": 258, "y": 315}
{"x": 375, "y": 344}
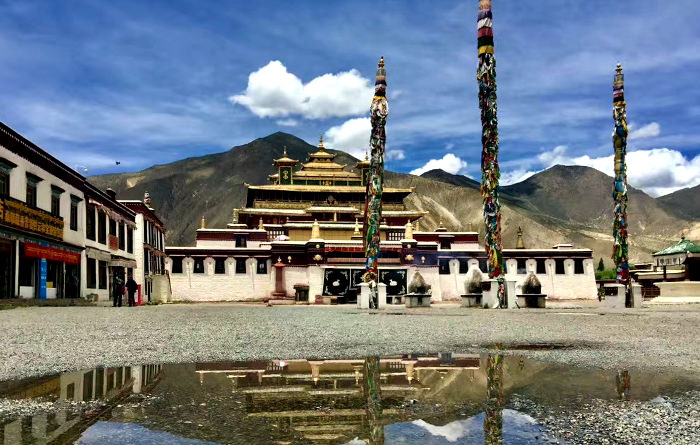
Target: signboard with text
{"x": 32, "y": 250}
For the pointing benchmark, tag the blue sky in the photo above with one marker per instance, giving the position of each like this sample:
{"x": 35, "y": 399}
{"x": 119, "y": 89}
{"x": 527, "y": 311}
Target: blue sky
{"x": 146, "y": 83}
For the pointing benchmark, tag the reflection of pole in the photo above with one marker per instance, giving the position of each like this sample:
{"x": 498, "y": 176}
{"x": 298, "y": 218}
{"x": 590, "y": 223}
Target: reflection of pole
{"x": 490, "y": 173}
{"x": 623, "y": 384}
{"x": 373, "y": 400}
{"x": 493, "y": 420}
{"x": 375, "y": 182}
{"x": 620, "y": 185}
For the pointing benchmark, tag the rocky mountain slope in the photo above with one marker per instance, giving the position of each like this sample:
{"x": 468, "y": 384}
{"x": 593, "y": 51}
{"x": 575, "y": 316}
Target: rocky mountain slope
{"x": 684, "y": 203}
{"x": 561, "y": 204}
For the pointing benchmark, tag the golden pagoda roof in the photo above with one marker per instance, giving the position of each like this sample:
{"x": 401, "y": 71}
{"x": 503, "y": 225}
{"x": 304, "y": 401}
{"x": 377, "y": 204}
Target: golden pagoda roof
{"x": 365, "y": 163}
{"x": 321, "y": 154}
{"x": 285, "y": 159}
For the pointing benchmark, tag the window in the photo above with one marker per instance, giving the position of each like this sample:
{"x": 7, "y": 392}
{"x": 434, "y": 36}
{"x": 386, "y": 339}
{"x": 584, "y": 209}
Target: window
{"x": 262, "y": 266}
{"x": 103, "y": 274}
{"x": 130, "y": 240}
{"x": 122, "y": 238}
{"x": 445, "y": 244}
{"x": 74, "y": 200}
{"x": 56, "y": 193}
{"x": 4, "y": 182}
{"x": 31, "y": 193}
{"x": 90, "y": 222}
{"x": 220, "y": 266}
{"x": 463, "y": 265}
{"x": 87, "y": 386}
{"x": 91, "y": 273}
{"x": 578, "y": 266}
{"x": 146, "y": 262}
{"x": 177, "y": 264}
{"x": 483, "y": 265}
{"x": 240, "y": 265}
{"x": 559, "y": 267}
{"x": 522, "y": 266}
{"x": 241, "y": 241}
{"x": 101, "y": 228}
{"x": 112, "y": 227}
{"x": 70, "y": 391}
{"x": 541, "y": 266}
{"x": 198, "y": 265}
{"x": 444, "y": 266}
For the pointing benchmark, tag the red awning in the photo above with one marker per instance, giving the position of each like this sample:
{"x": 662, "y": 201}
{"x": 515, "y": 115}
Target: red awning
{"x": 32, "y": 250}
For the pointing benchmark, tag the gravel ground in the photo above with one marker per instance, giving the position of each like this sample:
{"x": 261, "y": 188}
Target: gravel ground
{"x": 663, "y": 420}
{"x": 39, "y": 341}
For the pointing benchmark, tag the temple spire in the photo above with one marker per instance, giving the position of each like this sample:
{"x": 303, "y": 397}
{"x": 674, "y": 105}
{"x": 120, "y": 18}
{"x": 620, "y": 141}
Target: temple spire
{"x": 619, "y": 194}
{"x": 490, "y": 173}
{"x": 379, "y": 110}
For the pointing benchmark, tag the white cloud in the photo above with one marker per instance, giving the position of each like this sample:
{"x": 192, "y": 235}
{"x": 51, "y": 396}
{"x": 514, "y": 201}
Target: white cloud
{"x": 449, "y": 146}
{"x": 657, "y": 171}
{"x": 449, "y": 163}
{"x": 351, "y": 136}
{"x": 272, "y": 91}
{"x": 287, "y": 122}
{"x": 514, "y": 176}
{"x": 395, "y": 155}
{"x": 647, "y": 131}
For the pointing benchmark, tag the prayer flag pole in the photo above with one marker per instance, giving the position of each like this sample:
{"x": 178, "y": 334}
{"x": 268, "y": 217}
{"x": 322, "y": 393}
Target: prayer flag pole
{"x": 373, "y": 202}
{"x": 490, "y": 173}
{"x": 619, "y": 194}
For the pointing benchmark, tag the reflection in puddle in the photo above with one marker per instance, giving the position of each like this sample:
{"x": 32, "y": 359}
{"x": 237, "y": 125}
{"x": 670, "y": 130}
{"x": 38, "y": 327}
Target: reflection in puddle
{"x": 440, "y": 399}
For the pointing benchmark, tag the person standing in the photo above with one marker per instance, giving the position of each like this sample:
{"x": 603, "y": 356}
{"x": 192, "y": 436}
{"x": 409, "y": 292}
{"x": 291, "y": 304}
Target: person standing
{"x": 131, "y": 288}
{"x": 118, "y": 291}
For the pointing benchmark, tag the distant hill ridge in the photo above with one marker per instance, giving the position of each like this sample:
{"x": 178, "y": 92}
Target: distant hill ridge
{"x": 563, "y": 203}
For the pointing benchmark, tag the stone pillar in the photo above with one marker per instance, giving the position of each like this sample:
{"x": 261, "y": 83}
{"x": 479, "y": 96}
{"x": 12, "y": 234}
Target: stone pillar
{"x": 637, "y": 295}
{"x": 382, "y": 295}
{"x": 363, "y": 297}
{"x": 615, "y": 299}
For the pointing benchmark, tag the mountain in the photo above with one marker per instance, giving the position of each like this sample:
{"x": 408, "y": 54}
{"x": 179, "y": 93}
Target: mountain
{"x": 561, "y": 204}
{"x": 458, "y": 180}
{"x": 684, "y": 202}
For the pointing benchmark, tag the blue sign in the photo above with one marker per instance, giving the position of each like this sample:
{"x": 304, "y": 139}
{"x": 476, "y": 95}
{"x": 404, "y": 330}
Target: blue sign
{"x": 42, "y": 279}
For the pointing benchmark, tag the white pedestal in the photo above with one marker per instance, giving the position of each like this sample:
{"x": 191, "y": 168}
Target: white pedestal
{"x": 363, "y": 298}
{"x": 512, "y": 297}
{"x": 615, "y": 299}
{"x": 382, "y": 295}
{"x": 637, "y": 295}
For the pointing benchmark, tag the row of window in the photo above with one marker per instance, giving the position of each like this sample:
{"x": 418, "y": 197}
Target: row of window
{"x": 98, "y": 220}
{"x": 219, "y": 265}
{"x": 559, "y": 268}
{"x": 31, "y": 196}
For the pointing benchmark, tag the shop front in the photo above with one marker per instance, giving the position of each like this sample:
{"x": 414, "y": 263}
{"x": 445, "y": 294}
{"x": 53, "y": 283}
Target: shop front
{"x": 48, "y": 271}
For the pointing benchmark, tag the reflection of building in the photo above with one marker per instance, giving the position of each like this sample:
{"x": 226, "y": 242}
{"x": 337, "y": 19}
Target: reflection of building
{"x": 322, "y": 401}
{"x": 305, "y": 228}
{"x": 150, "y": 250}
{"x": 108, "y": 385}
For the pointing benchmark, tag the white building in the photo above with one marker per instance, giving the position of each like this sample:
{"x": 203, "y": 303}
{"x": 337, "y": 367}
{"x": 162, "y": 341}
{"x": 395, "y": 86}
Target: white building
{"x": 47, "y": 212}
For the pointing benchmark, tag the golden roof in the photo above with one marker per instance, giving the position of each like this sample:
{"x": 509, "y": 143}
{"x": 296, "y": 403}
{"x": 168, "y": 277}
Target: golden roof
{"x": 285, "y": 159}
{"x": 321, "y": 154}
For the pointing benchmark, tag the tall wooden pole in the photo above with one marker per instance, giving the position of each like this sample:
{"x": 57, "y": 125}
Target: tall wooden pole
{"x": 490, "y": 173}
{"x": 373, "y": 202}
{"x": 372, "y": 391}
{"x": 619, "y": 194}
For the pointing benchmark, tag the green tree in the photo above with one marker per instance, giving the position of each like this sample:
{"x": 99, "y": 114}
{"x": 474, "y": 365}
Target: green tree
{"x": 601, "y": 265}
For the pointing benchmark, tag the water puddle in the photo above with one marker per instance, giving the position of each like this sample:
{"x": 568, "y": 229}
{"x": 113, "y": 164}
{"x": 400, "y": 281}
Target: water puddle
{"x": 437, "y": 399}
